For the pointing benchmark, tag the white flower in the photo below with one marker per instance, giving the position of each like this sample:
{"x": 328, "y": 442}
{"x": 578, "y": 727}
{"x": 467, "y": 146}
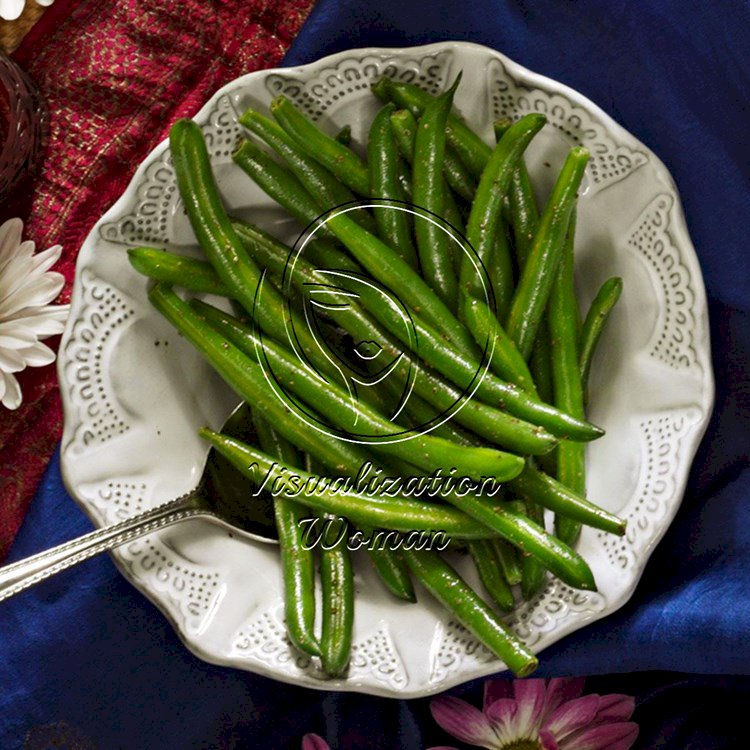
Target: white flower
{"x": 26, "y": 289}
{"x": 12, "y": 9}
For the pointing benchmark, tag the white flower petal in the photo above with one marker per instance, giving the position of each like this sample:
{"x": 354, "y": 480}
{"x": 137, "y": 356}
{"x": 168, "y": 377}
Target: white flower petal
{"x": 11, "y": 361}
{"x": 12, "y": 397}
{"x": 39, "y": 292}
{"x": 14, "y": 274}
{"x": 10, "y": 238}
{"x": 37, "y": 355}
{"x": 16, "y": 339}
{"x": 10, "y": 10}
{"x": 47, "y": 258}
{"x": 40, "y": 317}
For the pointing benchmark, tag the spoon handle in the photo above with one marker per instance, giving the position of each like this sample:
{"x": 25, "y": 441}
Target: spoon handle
{"x": 21, "y": 575}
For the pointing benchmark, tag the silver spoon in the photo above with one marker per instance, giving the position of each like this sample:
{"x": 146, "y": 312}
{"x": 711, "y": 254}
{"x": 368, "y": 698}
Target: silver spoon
{"x": 218, "y": 497}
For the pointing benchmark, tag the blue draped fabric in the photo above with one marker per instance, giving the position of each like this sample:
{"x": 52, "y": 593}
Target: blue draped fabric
{"x": 86, "y": 658}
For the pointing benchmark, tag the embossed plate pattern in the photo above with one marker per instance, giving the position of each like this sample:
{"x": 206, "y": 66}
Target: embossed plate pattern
{"x": 135, "y": 393}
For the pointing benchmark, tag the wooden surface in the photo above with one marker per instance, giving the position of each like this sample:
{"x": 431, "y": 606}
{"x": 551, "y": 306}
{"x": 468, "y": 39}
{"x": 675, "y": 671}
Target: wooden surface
{"x": 12, "y": 32}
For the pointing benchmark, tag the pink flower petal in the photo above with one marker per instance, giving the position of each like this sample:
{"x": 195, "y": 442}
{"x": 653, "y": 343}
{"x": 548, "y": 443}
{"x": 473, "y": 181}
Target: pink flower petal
{"x": 463, "y": 721}
{"x": 502, "y": 711}
{"x": 620, "y": 736}
{"x": 572, "y": 716}
{"x": 615, "y": 707}
{"x": 547, "y": 740}
{"x": 496, "y": 689}
{"x": 531, "y": 696}
{"x": 314, "y": 742}
{"x": 561, "y": 689}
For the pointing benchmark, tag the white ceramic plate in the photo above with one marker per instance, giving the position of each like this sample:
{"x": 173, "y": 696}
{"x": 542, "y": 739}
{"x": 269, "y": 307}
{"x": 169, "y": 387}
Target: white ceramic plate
{"x": 135, "y": 393}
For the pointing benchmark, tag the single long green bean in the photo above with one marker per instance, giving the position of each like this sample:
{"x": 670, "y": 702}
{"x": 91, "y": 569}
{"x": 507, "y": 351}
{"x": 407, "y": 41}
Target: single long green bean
{"x": 528, "y": 536}
{"x": 405, "y": 128}
{"x": 297, "y": 561}
{"x": 433, "y": 244}
{"x": 537, "y": 487}
{"x": 444, "y": 583}
{"x": 563, "y": 325}
{"x": 337, "y": 617}
{"x": 383, "y": 161}
{"x": 191, "y": 274}
{"x": 538, "y": 275}
{"x": 593, "y": 325}
{"x": 486, "y": 209}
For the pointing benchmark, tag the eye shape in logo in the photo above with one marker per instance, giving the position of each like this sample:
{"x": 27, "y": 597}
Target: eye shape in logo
{"x": 371, "y": 364}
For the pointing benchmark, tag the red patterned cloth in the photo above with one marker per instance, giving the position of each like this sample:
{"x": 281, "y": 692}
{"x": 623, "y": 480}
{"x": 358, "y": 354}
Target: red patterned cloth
{"x": 115, "y": 74}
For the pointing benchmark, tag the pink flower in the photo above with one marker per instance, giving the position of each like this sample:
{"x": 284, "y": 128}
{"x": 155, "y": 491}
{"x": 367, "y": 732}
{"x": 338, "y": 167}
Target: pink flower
{"x": 539, "y": 715}
{"x": 314, "y": 742}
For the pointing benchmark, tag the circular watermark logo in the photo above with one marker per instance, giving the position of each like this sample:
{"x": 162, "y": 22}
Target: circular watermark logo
{"x": 351, "y": 333}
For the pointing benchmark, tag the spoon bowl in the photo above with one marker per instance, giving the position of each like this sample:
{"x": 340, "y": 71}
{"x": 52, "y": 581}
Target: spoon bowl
{"x": 221, "y": 497}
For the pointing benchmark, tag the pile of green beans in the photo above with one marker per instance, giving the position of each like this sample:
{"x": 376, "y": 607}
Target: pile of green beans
{"x": 496, "y": 314}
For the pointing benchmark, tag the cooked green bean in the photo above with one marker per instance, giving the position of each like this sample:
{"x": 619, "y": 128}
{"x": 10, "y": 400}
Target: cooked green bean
{"x": 505, "y": 359}
{"x": 533, "y": 573}
{"x": 491, "y": 424}
{"x": 593, "y": 325}
{"x": 486, "y": 208}
{"x": 563, "y": 325}
{"x": 327, "y": 191}
{"x": 537, "y": 487}
{"x": 191, "y": 274}
{"x": 500, "y": 269}
{"x": 538, "y": 275}
{"x": 337, "y": 620}
{"x": 404, "y": 128}
{"x": 335, "y": 156}
{"x": 391, "y": 568}
{"x": 458, "y": 367}
{"x": 471, "y": 149}
{"x": 428, "y": 185}
{"x": 528, "y": 536}
{"x": 508, "y": 561}
{"x": 444, "y": 583}
{"x": 383, "y": 161}
{"x": 245, "y": 377}
{"x": 297, "y": 561}
{"x": 483, "y": 554}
